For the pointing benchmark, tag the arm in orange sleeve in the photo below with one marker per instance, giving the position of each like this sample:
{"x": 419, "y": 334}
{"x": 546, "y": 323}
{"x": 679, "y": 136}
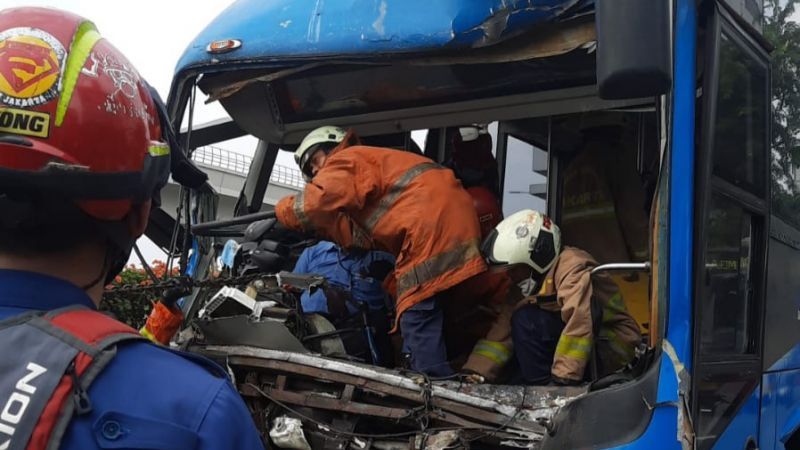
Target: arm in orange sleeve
{"x": 342, "y": 186}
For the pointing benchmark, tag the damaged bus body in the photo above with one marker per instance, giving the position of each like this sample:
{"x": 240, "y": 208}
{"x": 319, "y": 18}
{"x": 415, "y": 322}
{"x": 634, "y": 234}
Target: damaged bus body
{"x": 645, "y": 130}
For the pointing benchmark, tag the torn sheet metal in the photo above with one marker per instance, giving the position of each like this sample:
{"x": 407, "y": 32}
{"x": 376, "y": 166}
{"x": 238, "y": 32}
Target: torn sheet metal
{"x": 500, "y": 399}
{"x": 438, "y": 441}
{"x": 287, "y": 432}
{"x": 685, "y": 431}
{"x": 277, "y": 30}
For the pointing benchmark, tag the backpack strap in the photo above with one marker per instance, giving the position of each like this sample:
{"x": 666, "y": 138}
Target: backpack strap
{"x": 52, "y": 360}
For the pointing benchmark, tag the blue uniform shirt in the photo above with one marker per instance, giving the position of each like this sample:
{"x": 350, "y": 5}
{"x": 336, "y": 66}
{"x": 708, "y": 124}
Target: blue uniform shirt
{"x": 147, "y": 397}
{"x": 343, "y": 270}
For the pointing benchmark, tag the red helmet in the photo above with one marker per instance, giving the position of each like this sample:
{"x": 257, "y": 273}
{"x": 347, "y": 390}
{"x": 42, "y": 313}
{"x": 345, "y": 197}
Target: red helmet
{"x": 487, "y": 207}
{"x": 76, "y": 118}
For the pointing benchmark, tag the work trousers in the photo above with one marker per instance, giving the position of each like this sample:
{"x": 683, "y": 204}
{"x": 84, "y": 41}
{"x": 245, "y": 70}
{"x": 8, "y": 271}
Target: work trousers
{"x": 423, "y": 338}
{"x": 535, "y": 333}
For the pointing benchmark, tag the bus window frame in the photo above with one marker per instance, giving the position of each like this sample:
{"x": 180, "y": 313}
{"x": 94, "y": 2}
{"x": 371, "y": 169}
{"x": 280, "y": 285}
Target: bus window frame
{"x": 736, "y": 367}
{"x": 508, "y": 129}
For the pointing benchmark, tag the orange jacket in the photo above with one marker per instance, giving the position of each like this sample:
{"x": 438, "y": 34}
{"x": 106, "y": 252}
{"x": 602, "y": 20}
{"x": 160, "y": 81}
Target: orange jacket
{"x": 398, "y": 202}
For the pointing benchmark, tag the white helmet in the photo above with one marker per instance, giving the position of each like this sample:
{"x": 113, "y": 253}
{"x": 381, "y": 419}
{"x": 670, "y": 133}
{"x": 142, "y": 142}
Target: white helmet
{"x": 472, "y": 132}
{"x": 322, "y": 135}
{"x": 525, "y": 237}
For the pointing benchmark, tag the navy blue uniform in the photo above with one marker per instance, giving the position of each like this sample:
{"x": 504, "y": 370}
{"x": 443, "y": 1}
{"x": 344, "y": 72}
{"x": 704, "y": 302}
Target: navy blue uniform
{"x": 147, "y": 397}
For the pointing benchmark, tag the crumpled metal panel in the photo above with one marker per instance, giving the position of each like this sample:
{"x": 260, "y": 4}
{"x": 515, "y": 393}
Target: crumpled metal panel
{"x": 275, "y": 30}
{"x": 287, "y": 432}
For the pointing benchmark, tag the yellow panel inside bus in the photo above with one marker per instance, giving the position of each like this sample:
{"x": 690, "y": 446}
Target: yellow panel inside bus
{"x": 635, "y": 293}
{"x": 603, "y": 198}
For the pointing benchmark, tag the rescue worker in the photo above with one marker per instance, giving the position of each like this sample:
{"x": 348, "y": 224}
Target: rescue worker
{"x": 82, "y": 155}
{"x": 487, "y": 207}
{"x": 471, "y": 307}
{"x": 604, "y": 208}
{"x": 550, "y": 327}
{"x": 398, "y": 202}
{"x": 472, "y": 159}
{"x": 358, "y": 276}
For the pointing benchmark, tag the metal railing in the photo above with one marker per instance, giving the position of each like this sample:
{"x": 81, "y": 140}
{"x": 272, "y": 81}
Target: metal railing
{"x": 222, "y": 159}
{"x": 287, "y": 175}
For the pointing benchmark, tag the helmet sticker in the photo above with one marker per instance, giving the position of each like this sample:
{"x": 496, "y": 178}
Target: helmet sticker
{"x": 522, "y": 231}
{"x": 25, "y": 122}
{"x": 30, "y": 67}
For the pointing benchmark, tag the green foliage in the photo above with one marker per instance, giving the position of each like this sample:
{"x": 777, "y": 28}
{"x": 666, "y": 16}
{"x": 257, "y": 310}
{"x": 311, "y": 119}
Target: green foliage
{"x": 133, "y": 308}
{"x": 784, "y": 35}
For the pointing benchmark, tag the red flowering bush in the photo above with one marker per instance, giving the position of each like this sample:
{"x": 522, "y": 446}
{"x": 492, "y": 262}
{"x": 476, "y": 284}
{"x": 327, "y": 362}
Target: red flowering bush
{"x": 134, "y": 307}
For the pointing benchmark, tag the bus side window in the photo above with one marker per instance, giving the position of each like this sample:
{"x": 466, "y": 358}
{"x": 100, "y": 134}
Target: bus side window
{"x": 731, "y": 270}
{"x": 525, "y": 185}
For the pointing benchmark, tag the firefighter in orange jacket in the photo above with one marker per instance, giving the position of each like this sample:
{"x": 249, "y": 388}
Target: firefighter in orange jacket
{"x": 549, "y": 317}
{"x": 399, "y": 202}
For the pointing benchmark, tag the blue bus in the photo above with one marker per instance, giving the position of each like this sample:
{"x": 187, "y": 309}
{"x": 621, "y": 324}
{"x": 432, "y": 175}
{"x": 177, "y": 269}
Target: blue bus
{"x": 641, "y": 126}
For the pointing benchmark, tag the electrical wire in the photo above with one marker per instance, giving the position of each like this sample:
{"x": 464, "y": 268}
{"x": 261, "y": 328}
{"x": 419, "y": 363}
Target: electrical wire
{"x": 146, "y": 266}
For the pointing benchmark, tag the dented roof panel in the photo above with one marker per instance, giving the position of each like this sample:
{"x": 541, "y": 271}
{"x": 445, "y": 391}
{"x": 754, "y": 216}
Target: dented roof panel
{"x": 278, "y": 30}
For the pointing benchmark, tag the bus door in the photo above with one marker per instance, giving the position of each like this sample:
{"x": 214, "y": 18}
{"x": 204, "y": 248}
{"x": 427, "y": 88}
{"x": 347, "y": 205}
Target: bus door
{"x": 731, "y": 235}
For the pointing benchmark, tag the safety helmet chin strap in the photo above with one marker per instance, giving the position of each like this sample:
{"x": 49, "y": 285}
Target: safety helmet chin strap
{"x": 531, "y": 285}
{"x": 118, "y": 249}
{"x": 528, "y": 285}
{"x": 102, "y": 275}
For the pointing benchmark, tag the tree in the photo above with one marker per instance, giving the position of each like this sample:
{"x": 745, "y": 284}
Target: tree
{"x": 784, "y": 34}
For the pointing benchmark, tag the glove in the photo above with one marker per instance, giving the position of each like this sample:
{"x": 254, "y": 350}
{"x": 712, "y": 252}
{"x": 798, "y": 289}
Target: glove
{"x": 171, "y": 295}
{"x": 556, "y": 381}
{"x": 165, "y": 319}
{"x": 162, "y": 324}
{"x": 471, "y": 377}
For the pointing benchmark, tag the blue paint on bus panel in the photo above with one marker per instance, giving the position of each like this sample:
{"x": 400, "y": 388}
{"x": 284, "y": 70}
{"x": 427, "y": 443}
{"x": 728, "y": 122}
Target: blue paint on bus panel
{"x": 743, "y": 427}
{"x": 791, "y": 360}
{"x": 681, "y": 225}
{"x": 662, "y": 432}
{"x": 353, "y": 29}
{"x": 768, "y": 419}
{"x": 780, "y": 408}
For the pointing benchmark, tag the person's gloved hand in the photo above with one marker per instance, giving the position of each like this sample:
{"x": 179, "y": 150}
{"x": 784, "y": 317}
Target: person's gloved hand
{"x": 171, "y": 295}
{"x": 473, "y": 377}
{"x": 162, "y": 323}
{"x": 557, "y": 381}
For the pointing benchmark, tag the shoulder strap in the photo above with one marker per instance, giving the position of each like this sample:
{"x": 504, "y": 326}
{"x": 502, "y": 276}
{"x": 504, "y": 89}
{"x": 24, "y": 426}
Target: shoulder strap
{"x": 51, "y": 360}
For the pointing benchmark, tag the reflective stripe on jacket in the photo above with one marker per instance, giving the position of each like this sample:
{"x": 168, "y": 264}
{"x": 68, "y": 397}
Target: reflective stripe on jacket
{"x": 398, "y": 202}
{"x": 574, "y": 288}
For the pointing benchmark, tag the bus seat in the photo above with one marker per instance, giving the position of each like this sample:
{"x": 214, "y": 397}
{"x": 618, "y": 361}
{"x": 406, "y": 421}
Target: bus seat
{"x": 635, "y": 290}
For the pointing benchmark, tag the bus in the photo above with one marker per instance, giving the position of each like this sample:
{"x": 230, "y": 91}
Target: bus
{"x": 641, "y": 127}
